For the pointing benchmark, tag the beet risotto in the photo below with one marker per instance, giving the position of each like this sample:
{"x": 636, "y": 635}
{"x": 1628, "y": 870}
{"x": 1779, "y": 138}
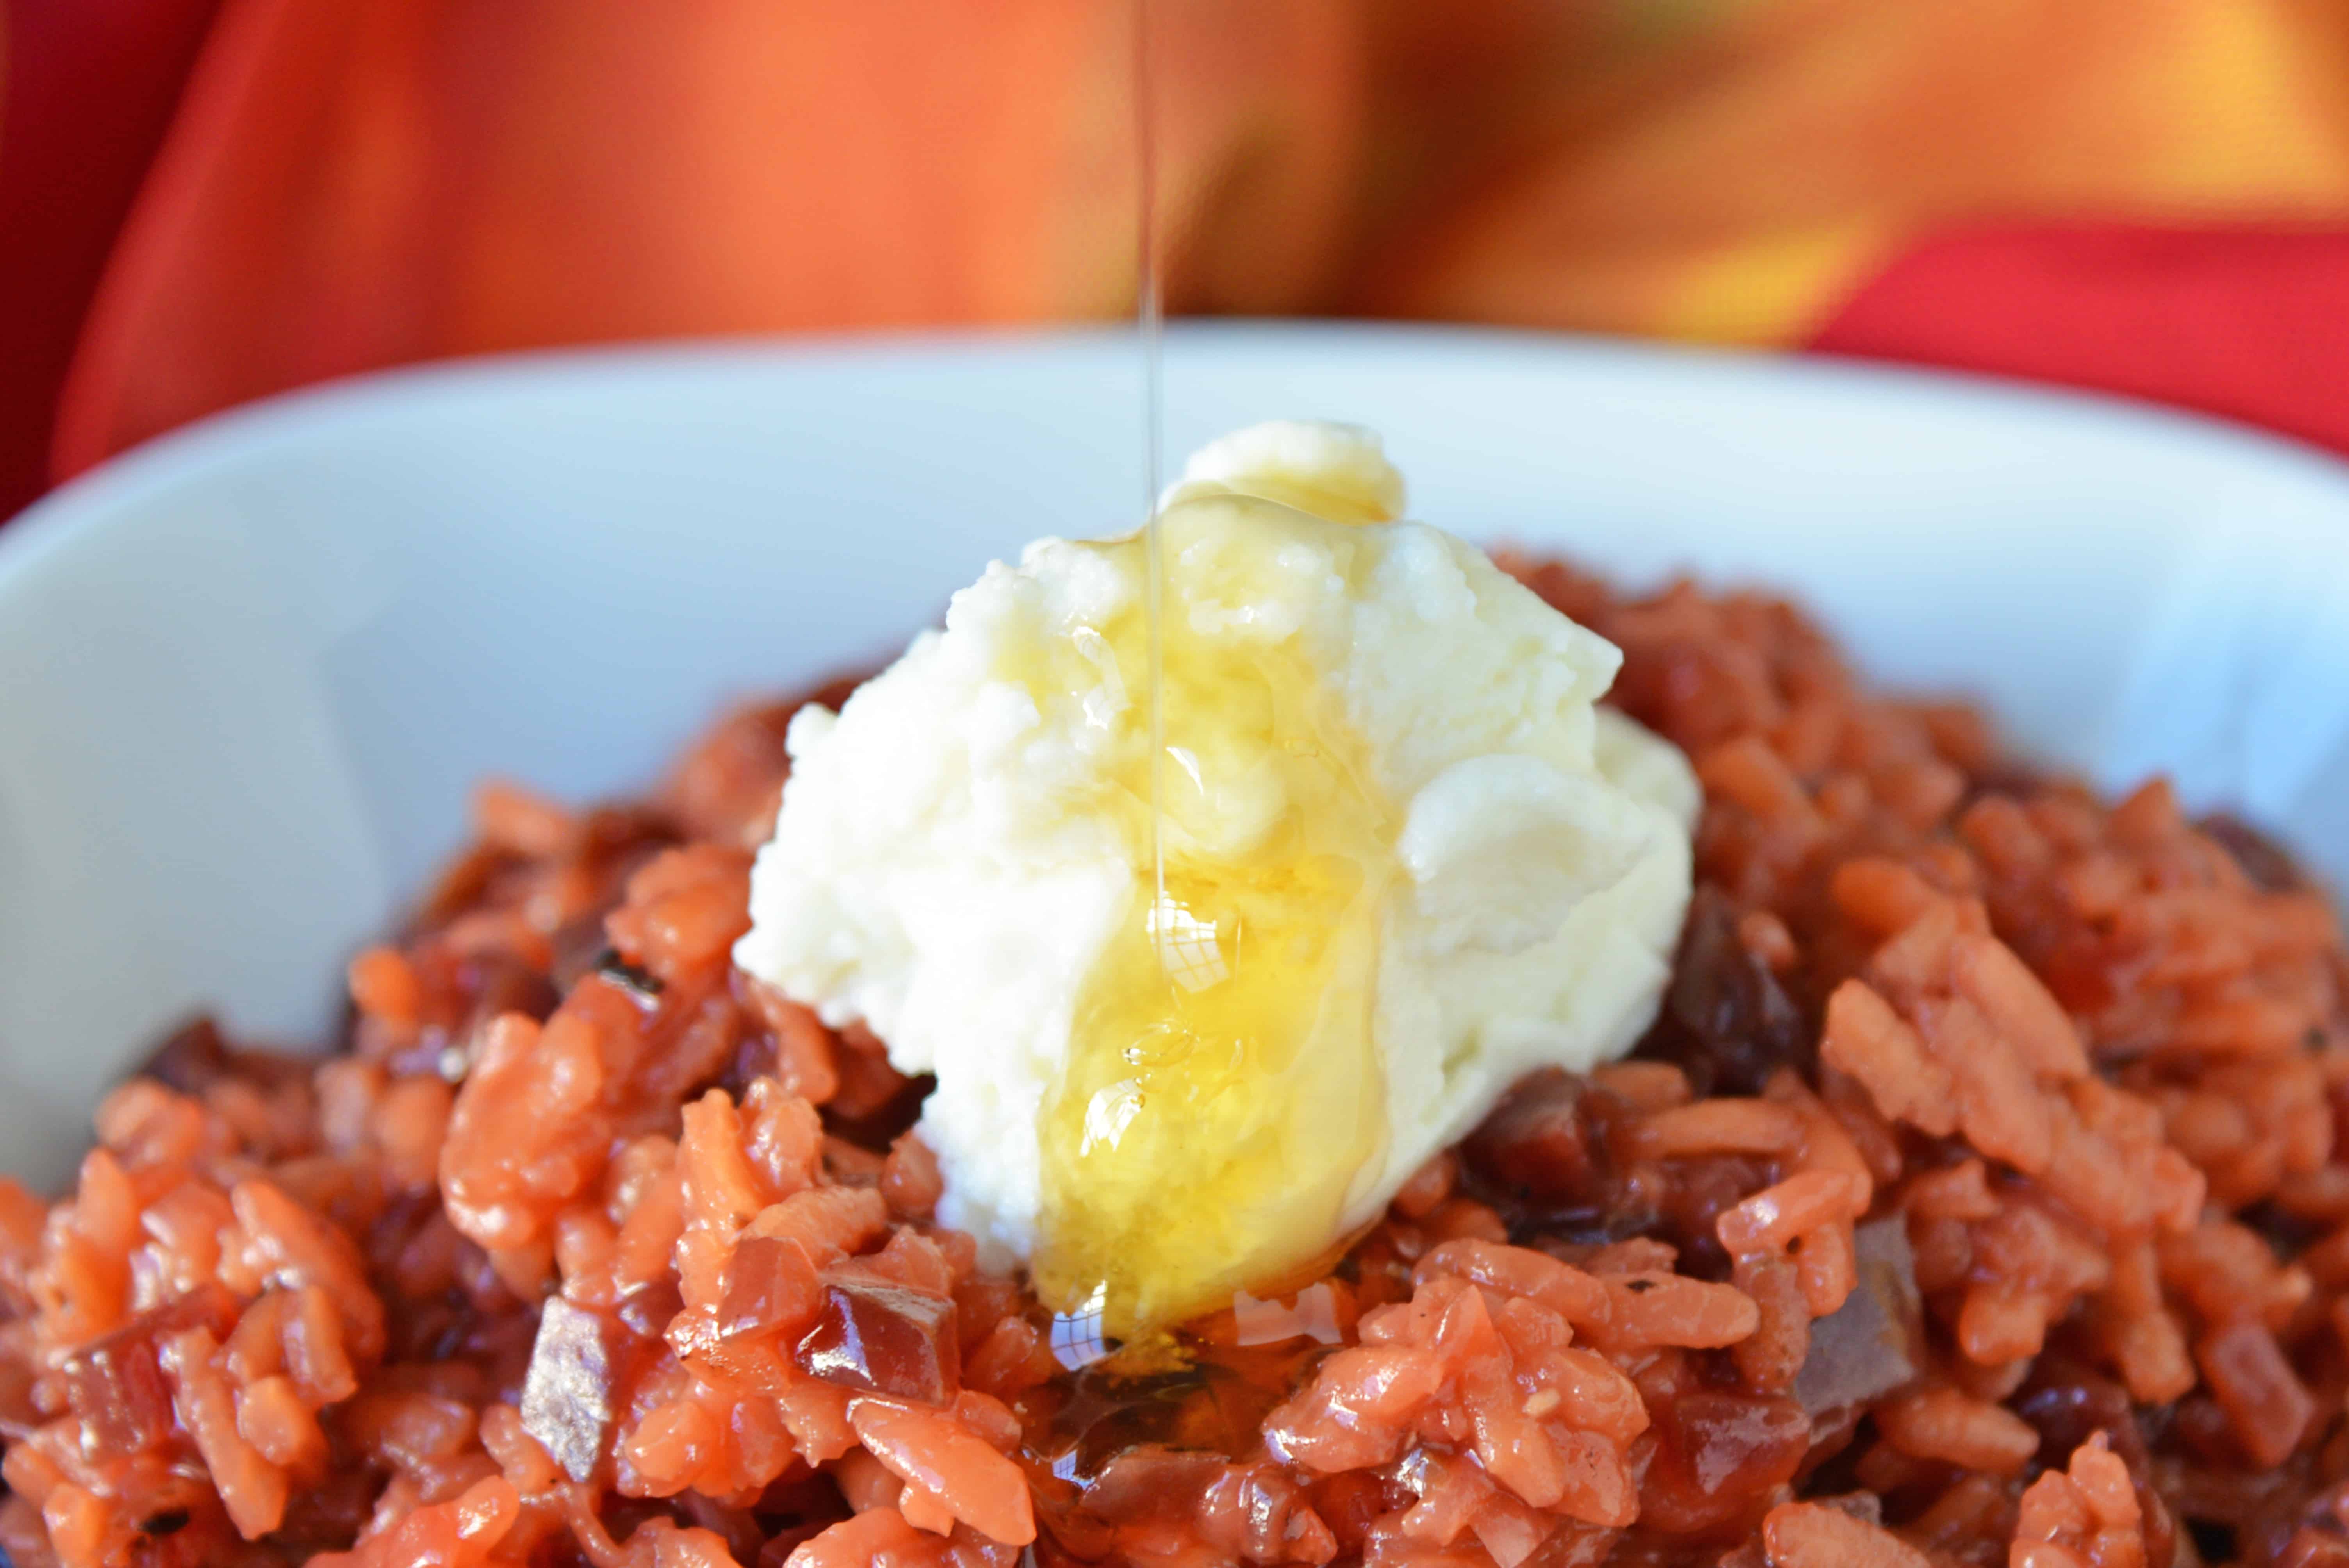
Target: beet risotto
{"x": 1978, "y": 1199}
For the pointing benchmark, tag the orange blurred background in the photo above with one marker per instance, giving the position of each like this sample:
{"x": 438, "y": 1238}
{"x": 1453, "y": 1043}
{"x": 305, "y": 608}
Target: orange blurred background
{"x": 206, "y": 201}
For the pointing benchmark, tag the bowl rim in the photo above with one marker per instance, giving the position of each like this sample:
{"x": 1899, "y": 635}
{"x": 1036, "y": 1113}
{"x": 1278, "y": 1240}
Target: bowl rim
{"x": 83, "y": 507}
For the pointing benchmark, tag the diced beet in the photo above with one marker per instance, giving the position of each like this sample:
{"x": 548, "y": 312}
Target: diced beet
{"x": 881, "y": 1339}
{"x": 794, "y": 1508}
{"x": 1718, "y": 1456}
{"x": 1151, "y": 1480}
{"x": 500, "y": 984}
{"x": 1271, "y": 1510}
{"x": 321, "y": 1515}
{"x": 1735, "y": 1444}
{"x": 196, "y": 1055}
{"x": 648, "y": 1309}
{"x": 735, "y": 1526}
{"x": 1873, "y": 1343}
{"x": 2068, "y": 1402}
{"x": 1200, "y": 1409}
{"x": 1689, "y": 1208}
{"x": 1350, "y": 1502}
{"x": 769, "y": 1286}
{"x": 19, "y": 1417}
{"x": 1727, "y": 1021}
{"x": 121, "y": 1396}
{"x": 2267, "y": 862}
{"x": 568, "y": 1394}
{"x": 117, "y": 1387}
{"x": 1537, "y": 1143}
{"x": 190, "y": 1059}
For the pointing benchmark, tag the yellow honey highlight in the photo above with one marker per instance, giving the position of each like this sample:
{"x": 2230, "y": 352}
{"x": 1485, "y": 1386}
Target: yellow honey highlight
{"x": 1224, "y": 1089}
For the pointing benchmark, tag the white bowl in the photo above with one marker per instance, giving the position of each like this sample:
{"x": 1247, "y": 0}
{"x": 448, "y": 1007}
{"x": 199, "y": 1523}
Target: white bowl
{"x": 248, "y": 673}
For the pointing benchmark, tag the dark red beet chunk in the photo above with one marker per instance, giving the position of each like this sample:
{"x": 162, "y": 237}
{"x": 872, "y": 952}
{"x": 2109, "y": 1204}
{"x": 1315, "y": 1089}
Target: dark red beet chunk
{"x": 2267, "y": 862}
{"x": 1350, "y": 1502}
{"x": 737, "y": 1527}
{"x": 1151, "y": 1480}
{"x": 791, "y": 1512}
{"x": 1874, "y": 1342}
{"x": 190, "y": 1059}
{"x": 1537, "y": 1143}
{"x": 115, "y": 1386}
{"x": 1720, "y": 1453}
{"x": 1727, "y": 1020}
{"x": 1731, "y": 1442}
{"x": 648, "y": 1309}
{"x": 2069, "y": 1401}
{"x": 501, "y": 985}
{"x": 880, "y": 1339}
{"x": 1273, "y": 1516}
{"x": 195, "y": 1055}
{"x": 770, "y": 1285}
{"x": 19, "y": 1417}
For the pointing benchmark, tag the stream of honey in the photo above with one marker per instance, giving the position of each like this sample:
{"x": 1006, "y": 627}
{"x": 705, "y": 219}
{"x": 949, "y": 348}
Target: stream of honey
{"x": 1223, "y": 1090}
{"x": 1150, "y": 324}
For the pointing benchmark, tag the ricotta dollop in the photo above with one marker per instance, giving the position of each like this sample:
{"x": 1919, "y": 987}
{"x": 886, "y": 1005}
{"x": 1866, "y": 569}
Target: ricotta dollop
{"x": 1367, "y": 727}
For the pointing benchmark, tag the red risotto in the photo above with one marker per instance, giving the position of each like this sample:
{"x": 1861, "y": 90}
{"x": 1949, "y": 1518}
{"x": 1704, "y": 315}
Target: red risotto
{"x": 1980, "y": 1198}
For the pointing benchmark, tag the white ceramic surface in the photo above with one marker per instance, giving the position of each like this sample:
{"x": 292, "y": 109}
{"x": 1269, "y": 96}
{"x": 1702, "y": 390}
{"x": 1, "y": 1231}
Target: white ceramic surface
{"x": 248, "y": 673}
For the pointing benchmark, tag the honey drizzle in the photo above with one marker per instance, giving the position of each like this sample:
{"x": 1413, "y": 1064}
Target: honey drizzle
{"x": 1149, "y": 327}
{"x": 1281, "y": 1031}
{"x": 1078, "y": 1337}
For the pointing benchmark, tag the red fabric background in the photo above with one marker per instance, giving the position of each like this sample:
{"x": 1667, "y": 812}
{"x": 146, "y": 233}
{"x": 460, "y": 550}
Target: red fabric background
{"x": 90, "y": 87}
{"x": 2247, "y": 322}
{"x": 2250, "y": 323}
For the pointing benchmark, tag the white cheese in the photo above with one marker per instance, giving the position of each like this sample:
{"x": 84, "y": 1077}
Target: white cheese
{"x": 958, "y": 846}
